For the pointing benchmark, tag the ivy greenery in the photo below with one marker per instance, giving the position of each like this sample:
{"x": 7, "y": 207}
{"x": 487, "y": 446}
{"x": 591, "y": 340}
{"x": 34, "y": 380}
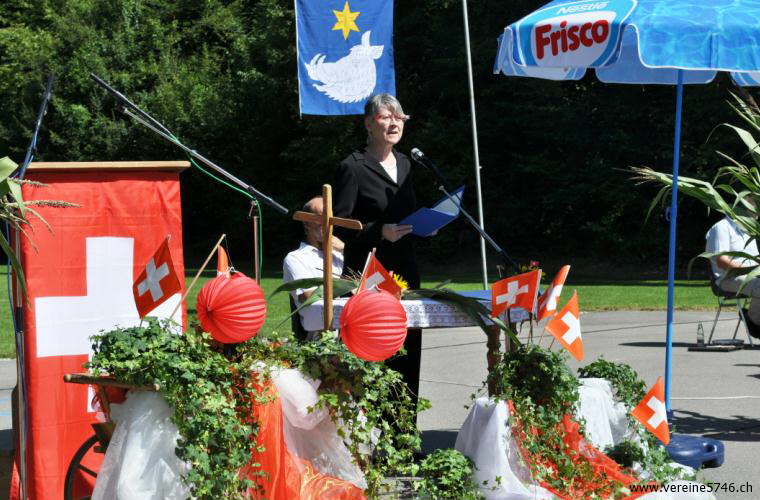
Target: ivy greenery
{"x": 447, "y": 474}
{"x": 543, "y": 390}
{"x": 213, "y": 395}
{"x": 628, "y": 387}
{"x": 626, "y": 453}
{"x": 212, "y": 398}
{"x": 538, "y": 377}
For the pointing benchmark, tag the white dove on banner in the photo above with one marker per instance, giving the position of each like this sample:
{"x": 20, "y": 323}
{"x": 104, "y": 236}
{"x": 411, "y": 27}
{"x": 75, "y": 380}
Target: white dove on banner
{"x": 350, "y": 78}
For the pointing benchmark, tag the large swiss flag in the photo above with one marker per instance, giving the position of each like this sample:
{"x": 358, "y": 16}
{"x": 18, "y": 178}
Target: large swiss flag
{"x": 80, "y": 280}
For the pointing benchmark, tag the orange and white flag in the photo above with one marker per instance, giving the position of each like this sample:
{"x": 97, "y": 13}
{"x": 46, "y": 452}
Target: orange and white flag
{"x": 652, "y": 414}
{"x": 547, "y": 302}
{"x": 157, "y": 282}
{"x": 376, "y": 276}
{"x": 566, "y": 328}
{"x": 516, "y": 291}
{"x": 222, "y": 262}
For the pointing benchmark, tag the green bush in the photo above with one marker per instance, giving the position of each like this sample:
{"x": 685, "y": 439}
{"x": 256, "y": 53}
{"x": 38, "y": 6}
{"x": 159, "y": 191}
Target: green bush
{"x": 447, "y": 475}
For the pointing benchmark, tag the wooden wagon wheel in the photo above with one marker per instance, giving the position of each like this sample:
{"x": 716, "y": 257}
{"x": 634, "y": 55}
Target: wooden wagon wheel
{"x": 76, "y": 467}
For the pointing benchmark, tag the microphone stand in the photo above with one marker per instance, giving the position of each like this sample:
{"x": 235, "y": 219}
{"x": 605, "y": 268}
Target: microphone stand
{"x": 441, "y": 181}
{"x": 19, "y": 173}
{"x": 18, "y": 312}
{"x": 143, "y": 118}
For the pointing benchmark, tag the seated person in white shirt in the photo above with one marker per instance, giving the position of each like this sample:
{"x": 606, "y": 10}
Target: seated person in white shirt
{"x": 307, "y": 261}
{"x": 726, "y": 236}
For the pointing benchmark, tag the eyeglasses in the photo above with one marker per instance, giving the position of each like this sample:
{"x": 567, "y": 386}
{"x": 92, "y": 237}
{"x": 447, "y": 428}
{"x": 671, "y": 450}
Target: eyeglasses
{"x": 389, "y": 117}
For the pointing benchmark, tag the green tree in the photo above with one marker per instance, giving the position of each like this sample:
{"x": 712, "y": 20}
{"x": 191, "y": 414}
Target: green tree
{"x": 222, "y": 76}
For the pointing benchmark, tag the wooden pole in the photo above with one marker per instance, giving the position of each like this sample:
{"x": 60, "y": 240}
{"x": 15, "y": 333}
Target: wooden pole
{"x": 197, "y": 275}
{"x": 253, "y": 214}
{"x": 256, "y": 258}
{"x": 327, "y": 231}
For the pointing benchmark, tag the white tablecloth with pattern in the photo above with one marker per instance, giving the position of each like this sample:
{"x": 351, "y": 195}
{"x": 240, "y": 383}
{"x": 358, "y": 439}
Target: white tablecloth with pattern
{"x": 420, "y": 313}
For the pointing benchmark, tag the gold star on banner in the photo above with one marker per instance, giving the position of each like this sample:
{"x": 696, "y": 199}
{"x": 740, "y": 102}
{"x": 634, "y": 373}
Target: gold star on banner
{"x": 346, "y": 20}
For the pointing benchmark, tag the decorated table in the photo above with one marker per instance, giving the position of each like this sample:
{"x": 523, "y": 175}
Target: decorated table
{"x": 424, "y": 313}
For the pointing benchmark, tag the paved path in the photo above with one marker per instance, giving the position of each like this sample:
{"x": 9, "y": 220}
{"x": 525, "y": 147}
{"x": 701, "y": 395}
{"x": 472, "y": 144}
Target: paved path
{"x": 714, "y": 394}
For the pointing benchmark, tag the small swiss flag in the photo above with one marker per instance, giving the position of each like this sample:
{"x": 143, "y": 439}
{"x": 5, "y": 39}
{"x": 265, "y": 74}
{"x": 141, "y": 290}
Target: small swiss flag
{"x": 516, "y": 291}
{"x": 157, "y": 282}
{"x": 566, "y": 328}
{"x": 222, "y": 262}
{"x": 375, "y": 276}
{"x": 547, "y": 302}
{"x": 652, "y": 414}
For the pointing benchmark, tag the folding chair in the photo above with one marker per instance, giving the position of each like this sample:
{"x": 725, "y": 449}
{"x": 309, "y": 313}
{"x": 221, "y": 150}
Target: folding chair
{"x": 728, "y": 299}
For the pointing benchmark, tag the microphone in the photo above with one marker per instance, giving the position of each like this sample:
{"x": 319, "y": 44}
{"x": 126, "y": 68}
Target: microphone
{"x": 423, "y": 160}
{"x": 420, "y": 157}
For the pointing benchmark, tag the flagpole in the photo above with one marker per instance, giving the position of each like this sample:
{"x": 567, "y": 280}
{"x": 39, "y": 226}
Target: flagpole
{"x": 541, "y": 337}
{"x": 475, "y": 143}
{"x": 197, "y": 275}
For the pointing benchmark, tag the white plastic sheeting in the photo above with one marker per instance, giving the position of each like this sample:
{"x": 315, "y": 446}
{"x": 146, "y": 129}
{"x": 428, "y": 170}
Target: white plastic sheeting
{"x": 140, "y": 463}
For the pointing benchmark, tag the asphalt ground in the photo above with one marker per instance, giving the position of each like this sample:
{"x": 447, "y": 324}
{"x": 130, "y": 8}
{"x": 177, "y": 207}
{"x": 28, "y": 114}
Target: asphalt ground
{"x": 713, "y": 394}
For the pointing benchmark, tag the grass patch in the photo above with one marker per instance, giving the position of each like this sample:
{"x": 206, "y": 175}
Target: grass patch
{"x": 593, "y": 296}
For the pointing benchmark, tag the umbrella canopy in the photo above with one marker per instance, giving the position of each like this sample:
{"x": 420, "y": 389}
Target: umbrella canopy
{"x": 673, "y": 42}
{"x": 630, "y": 41}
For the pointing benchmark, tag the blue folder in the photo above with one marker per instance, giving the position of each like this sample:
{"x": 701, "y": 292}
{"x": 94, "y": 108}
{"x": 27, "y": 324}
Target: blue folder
{"x": 426, "y": 221}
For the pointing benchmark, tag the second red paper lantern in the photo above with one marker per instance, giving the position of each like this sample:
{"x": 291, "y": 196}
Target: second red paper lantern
{"x": 373, "y": 325}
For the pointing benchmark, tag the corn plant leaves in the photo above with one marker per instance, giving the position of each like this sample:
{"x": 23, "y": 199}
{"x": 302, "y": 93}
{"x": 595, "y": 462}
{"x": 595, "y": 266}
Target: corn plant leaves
{"x": 7, "y": 167}
{"x": 9, "y": 186}
{"x": 15, "y": 264}
{"x": 742, "y": 204}
{"x": 748, "y": 140}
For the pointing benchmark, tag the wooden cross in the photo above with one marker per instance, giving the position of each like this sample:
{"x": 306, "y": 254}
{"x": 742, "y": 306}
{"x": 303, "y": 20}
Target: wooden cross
{"x": 328, "y": 221}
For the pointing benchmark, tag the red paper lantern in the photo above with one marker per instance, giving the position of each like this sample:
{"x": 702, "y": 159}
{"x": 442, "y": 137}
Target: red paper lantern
{"x": 373, "y": 325}
{"x": 231, "y": 308}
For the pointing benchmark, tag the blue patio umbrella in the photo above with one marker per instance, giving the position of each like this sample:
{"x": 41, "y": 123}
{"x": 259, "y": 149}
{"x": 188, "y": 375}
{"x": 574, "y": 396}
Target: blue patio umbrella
{"x": 671, "y": 42}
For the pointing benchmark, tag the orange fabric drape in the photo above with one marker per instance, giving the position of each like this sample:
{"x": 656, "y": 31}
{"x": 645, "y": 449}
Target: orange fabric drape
{"x": 579, "y": 450}
{"x": 282, "y": 475}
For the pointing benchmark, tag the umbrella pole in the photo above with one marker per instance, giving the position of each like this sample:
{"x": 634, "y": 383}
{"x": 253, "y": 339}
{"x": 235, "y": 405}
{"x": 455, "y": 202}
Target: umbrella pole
{"x": 672, "y": 240}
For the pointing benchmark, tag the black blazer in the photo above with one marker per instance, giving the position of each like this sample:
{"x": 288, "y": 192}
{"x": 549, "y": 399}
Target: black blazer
{"x": 364, "y": 191}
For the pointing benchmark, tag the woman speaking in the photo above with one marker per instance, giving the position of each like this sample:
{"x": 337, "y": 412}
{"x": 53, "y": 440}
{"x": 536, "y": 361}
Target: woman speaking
{"x": 374, "y": 186}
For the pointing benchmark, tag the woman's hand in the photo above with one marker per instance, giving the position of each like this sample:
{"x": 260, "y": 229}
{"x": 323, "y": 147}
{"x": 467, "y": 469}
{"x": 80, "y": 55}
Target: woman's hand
{"x": 394, "y": 232}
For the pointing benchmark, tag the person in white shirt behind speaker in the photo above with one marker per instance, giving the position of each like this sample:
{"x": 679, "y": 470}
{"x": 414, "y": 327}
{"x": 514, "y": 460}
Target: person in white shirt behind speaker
{"x": 307, "y": 260}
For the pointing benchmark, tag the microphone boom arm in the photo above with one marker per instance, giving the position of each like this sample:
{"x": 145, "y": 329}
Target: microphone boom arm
{"x": 140, "y": 116}
{"x": 247, "y": 187}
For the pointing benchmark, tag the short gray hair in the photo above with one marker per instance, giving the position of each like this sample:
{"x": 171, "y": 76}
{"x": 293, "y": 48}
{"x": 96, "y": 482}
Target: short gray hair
{"x": 378, "y": 101}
